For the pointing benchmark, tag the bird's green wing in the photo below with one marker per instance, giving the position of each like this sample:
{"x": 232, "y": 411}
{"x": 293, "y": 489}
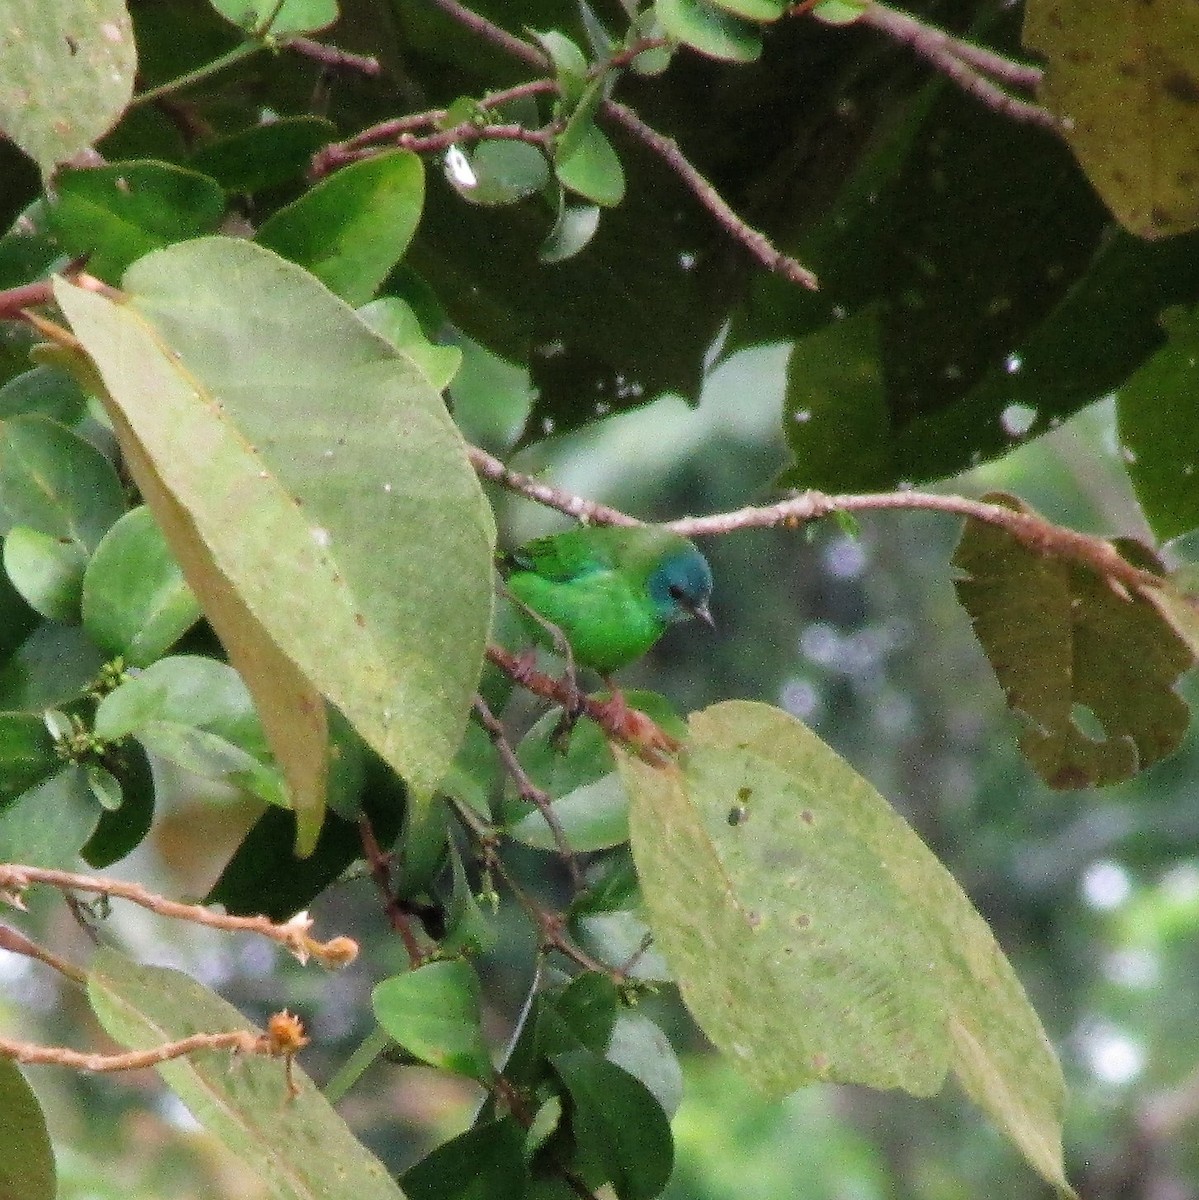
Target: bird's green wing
{"x": 562, "y": 557}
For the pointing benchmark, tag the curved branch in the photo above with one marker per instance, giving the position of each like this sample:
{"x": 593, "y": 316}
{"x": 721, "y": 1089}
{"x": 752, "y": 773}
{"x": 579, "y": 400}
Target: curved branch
{"x": 294, "y": 934}
{"x": 1030, "y": 529}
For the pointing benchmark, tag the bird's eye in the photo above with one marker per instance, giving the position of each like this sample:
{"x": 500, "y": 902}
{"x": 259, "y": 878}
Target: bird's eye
{"x": 676, "y": 592}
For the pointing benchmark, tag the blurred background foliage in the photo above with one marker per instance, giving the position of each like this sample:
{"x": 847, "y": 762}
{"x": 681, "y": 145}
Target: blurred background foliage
{"x": 1094, "y": 896}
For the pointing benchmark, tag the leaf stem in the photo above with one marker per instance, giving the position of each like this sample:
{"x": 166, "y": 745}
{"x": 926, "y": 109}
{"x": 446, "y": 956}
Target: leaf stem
{"x": 240, "y": 51}
{"x": 972, "y": 68}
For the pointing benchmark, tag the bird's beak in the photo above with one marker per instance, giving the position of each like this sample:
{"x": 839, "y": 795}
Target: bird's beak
{"x": 704, "y": 613}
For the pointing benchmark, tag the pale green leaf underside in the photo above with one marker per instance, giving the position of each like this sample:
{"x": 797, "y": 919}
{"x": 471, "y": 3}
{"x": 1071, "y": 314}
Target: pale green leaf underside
{"x": 814, "y": 936}
{"x": 256, "y": 392}
{"x": 298, "y": 1146}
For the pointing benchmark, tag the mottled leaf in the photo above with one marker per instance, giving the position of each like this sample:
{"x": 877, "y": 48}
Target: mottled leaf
{"x": 1124, "y": 79}
{"x": 244, "y": 1102}
{"x": 66, "y": 74}
{"x": 814, "y": 936}
{"x": 1068, "y": 646}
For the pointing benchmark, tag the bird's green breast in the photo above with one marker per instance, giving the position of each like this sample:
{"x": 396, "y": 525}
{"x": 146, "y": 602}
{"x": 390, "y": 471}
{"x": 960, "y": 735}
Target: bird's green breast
{"x": 608, "y": 620}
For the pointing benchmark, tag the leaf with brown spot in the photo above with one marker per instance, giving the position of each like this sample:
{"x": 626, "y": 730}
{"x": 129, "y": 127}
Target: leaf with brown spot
{"x": 1124, "y": 77}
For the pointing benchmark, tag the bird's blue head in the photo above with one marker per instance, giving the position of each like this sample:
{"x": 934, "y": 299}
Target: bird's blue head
{"x": 681, "y": 585}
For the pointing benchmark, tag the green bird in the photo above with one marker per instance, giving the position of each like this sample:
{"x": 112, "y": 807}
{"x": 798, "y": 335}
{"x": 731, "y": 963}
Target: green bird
{"x": 611, "y": 591}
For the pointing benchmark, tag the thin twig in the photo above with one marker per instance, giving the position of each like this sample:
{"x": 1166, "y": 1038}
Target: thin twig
{"x": 924, "y": 39}
{"x": 294, "y": 934}
{"x": 190, "y": 78}
{"x": 966, "y": 65}
{"x": 18, "y": 943}
{"x": 1030, "y": 529}
{"x": 239, "y": 1040}
{"x": 334, "y": 59}
{"x": 379, "y": 862}
{"x": 283, "y": 1038}
{"x": 528, "y": 791}
{"x": 551, "y": 926}
{"x": 756, "y": 242}
{"x": 618, "y": 721}
{"x": 587, "y": 511}
{"x": 501, "y": 38}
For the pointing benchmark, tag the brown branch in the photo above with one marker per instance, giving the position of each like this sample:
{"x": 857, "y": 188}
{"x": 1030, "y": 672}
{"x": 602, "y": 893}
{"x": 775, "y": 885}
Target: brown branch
{"x": 283, "y": 1038}
{"x": 966, "y": 65}
{"x": 241, "y": 1041}
{"x": 331, "y": 58}
{"x": 294, "y": 934}
{"x": 587, "y": 511}
{"x": 927, "y": 40}
{"x": 618, "y": 721}
{"x": 756, "y": 242}
{"x": 528, "y": 791}
{"x": 379, "y": 863}
{"x": 551, "y": 927}
{"x": 18, "y": 943}
{"x": 1030, "y": 529}
{"x": 500, "y": 38}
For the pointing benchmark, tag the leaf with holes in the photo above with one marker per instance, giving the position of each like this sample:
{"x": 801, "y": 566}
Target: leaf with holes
{"x": 815, "y": 937}
{"x": 1068, "y": 646}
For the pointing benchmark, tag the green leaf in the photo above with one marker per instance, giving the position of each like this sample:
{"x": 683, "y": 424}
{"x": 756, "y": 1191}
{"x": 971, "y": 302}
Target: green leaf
{"x": 434, "y": 1013}
{"x": 364, "y": 618}
{"x": 45, "y": 392}
{"x": 592, "y": 168}
{"x": 27, "y": 1165}
{"x": 121, "y": 831}
{"x": 1064, "y": 645}
{"x": 354, "y": 226}
{"x": 468, "y": 929}
{"x": 621, "y": 1131}
{"x": 243, "y": 1101}
{"x": 264, "y": 155}
{"x": 46, "y": 570}
{"x": 53, "y": 665}
{"x": 588, "y": 1006}
{"x": 1124, "y": 79}
{"x": 55, "y": 482}
{"x": 570, "y": 63}
{"x": 574, "y": 228}
{"x": 487, "y": 1162}
{"x": 197, "y": 713}
{"x": 814, "y": 936}
{"x": 1159, "y": 429}
{"x": 295, "y": 16}
{"x": 27, "y": 753}
{"x": 393, "y": 318}
{"x": 66, "y": 74}
{"x": 839, "y": 12}
{"x": 835, "y": 411}
{"x": 264, "y": 875}
{"x": 48, "y": 825}
{"x": 638, "y": 1046}
{"x": 754, "y": 10}
{"x": 502, "y": 172}
{"x": 115, "y": 214}
{"x": 706, "y": 28}
{"x": 136, "y": 603}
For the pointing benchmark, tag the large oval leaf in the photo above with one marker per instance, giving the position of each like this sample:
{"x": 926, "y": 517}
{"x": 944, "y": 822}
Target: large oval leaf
{"x": 244, "y": 1102}
{"x": 814, "y": 936}
{"x": 27, "y": 1164}
{"x": 342, "y": 533}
